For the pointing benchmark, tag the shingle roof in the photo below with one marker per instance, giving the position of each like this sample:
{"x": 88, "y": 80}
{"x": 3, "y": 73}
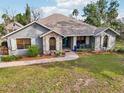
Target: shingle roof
{"x": 67, "y": 26}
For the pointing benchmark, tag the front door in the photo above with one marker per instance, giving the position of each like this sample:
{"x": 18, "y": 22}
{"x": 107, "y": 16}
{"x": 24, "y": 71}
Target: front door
{"x": 52, "y": 43}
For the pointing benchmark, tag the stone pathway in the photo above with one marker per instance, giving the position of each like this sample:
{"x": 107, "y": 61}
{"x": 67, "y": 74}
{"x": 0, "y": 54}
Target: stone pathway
{"x": 68, "y": 56}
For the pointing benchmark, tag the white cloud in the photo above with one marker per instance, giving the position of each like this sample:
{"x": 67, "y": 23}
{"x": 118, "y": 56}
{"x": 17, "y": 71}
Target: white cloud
{"x": 65, "y": 6}
{"x": 53, "y": 9}
{"x": 73, "y": 3}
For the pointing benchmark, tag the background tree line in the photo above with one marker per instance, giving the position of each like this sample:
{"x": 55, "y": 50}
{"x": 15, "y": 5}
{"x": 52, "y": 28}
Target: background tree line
{"x": 28, "y": 16}
{"x": 103, "y": 13}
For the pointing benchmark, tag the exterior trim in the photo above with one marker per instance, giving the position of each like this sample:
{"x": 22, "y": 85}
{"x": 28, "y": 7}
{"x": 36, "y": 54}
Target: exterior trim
{"x": 50, "y": 32}
{"x": 107, "y": 29}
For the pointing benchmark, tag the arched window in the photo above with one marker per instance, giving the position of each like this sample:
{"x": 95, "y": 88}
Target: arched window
{"x": 52, "y": 43}
{"x": 105, "y": 41}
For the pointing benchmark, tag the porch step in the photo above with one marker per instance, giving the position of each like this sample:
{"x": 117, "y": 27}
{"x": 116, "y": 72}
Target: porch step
{"x": 67, "y": 50}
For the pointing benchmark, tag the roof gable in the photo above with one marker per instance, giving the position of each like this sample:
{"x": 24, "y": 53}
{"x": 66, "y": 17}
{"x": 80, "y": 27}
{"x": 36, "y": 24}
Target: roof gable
{"x": 24, "y": 28}
{"x": 100, "y": 30}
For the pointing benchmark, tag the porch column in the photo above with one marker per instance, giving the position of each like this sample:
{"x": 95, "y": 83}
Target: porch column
{"x": 87, "y": 40}
{"x": 74, "y": 41}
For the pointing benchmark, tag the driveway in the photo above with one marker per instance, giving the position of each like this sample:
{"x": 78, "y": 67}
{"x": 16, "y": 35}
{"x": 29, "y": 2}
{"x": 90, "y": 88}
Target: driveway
{"x": 68, "y": 56}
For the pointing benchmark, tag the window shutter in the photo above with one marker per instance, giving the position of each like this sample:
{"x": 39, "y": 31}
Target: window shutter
{"x": 13, "y": 44}
{"x": 33, "y": 41}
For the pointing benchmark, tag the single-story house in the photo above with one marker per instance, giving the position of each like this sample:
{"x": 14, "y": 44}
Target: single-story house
{"x": 58, "y": 32}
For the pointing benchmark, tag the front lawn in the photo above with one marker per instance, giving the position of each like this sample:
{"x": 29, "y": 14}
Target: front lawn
{"x": 102, "y": 73}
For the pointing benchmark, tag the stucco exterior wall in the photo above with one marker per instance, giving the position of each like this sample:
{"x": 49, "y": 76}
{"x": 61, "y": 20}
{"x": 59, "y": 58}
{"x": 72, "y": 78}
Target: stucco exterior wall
{"x": 100, "y": 39}
{"x": 33, "y": 32}
{"x": 46, "y": 46}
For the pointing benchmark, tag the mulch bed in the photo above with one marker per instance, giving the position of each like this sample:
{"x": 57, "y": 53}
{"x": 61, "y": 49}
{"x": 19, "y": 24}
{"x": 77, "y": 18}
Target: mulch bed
{"x": 94, "y": 52}
{"x": 24, "y": 58}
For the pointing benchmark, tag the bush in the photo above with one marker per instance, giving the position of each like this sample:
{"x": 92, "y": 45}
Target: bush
{"x": 120, "y": 50}
{"x": 10, "y": 58}
{"x": 33, "y": 51}
{"x": 59, "y": 53}
{"x": 83, "y": 50}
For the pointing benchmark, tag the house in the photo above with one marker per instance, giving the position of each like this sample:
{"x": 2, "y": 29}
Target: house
{"x": 58, "y": 32}
{"x": 12, "y": 27}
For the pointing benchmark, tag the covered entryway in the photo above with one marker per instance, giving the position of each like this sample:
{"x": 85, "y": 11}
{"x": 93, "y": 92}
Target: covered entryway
{"x": 105, "y": 41}
{"x": 52, "y": 43}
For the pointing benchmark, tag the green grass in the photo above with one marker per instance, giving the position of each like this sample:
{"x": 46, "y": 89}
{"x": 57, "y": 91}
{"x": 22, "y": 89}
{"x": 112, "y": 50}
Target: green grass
{"x": 102, "y": 73}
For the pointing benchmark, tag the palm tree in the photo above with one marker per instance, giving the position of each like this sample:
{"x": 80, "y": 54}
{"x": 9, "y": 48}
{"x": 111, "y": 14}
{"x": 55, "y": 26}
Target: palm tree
{"x": 75, "y": 13}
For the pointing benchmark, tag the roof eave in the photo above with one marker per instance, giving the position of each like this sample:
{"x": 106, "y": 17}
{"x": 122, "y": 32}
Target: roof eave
{"x": 49, "y": 33}
{"x": 107, "y": 29}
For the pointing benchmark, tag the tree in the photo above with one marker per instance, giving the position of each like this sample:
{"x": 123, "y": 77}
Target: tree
{"x": 28, "y": 13}
{"x": 91, "y": 14}
{"x": 36, "y": 14}
{"x": 24, "y": 18}
{"x": 102, "y": 13}
{"x": 75, "y": 13}
{"x": 112, "y": 13}
{"x": 21, "y": 18}
{"x": 2, "y": 29}
{"x": 102, "y": 9}
{"x": 6, "y": 18}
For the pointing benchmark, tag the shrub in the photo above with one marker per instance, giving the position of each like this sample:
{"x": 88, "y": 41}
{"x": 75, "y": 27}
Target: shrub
{"x": 59, "y": 53}
{"x": 10, "y": 58}
{"x": 120, "y": 50}
{"x": 83, "y": 50}
{"x": 33, "y": 51}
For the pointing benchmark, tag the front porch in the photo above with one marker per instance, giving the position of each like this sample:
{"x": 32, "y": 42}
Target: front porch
{"x": 78, "y": 42}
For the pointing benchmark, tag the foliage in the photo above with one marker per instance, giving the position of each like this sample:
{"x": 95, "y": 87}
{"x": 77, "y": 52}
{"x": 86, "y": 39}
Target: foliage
{"x": 21, "y": 18}
{"x": 83, "y": 50}
{"x": 6, "y": 18}
{"x": 102, "y": 13}
{"x": 90, "y": 12}
{"x": 10, "y": 58}
{"x": 59, "y": 53}
{"x": 2, "y": 29}
{"x": 28, "y": 13}
{"x": 25, "y": 18}
{"x": 36, "y": 14}
{"x": 75, "y": 12}
{"x": 33, "y": 51}
{"x": 119, "y": 50}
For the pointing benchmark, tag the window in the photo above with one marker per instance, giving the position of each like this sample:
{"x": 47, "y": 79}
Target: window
{"x": 23, "y": 43}
{"x": 81, "y": 40}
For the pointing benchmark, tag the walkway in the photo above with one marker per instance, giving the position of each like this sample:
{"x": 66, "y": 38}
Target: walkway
{"x": 68, "y": 56}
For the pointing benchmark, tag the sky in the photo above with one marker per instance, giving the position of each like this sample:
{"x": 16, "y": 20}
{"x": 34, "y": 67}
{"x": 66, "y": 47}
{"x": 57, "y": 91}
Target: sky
{"x": 49, "y": 6}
